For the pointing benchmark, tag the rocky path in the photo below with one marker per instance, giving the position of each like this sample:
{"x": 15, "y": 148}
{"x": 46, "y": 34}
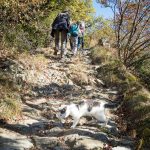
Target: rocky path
{"x": 59, "y": 82}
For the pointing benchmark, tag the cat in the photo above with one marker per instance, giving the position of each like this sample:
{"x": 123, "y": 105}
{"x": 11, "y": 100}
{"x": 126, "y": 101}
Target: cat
{"x": 84, "y": 108}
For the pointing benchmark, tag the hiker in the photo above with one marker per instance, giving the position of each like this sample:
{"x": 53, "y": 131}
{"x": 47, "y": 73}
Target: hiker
{"x": 73, "y": 33}
{"x": 81, "y": 35}
{"x": 61, "y": 26}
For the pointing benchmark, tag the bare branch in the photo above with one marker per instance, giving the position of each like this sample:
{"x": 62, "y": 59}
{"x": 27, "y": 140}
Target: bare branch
{"x": 139, "y": 34}
{"x": 122, "y": 12}
{"x": 133, "y": 26}
{"x": 138, "y": 49}
{"x": 142, "y": 59}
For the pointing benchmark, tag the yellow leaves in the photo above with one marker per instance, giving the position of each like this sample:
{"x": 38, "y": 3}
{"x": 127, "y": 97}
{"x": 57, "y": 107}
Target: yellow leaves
{"x": 80, "y": 10}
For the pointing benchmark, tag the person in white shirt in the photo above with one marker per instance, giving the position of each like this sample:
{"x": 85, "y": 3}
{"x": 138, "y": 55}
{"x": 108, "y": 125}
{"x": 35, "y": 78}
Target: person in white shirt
{"x": 81, "y": 35}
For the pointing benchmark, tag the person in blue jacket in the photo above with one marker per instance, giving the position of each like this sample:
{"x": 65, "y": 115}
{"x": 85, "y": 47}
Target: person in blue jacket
{"x": 73, "y": 34}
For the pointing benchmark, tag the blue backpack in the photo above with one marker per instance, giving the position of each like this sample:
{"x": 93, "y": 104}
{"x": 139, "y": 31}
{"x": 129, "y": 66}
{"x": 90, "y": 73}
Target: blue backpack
{"x": 74, "y": 30}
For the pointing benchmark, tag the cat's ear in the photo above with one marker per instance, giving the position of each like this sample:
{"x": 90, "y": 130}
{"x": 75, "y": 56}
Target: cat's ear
{"x": 62, "y": 106}
{"x": 83, "y": 101}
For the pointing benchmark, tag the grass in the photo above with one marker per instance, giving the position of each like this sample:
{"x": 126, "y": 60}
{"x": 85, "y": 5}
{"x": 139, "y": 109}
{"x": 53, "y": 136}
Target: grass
{"x": 10, "y": 105}
{"x": 102, "y": 55}
{"x": 9, "y": 108}
{"x": 78, "y": 73}
{"x": 38, "y": 61}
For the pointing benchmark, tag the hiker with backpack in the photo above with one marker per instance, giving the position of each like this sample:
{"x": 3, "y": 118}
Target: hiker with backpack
{"x": 60, "y": 27}
{"x": 81, "y": 35}
{"x": 73, "y": 34}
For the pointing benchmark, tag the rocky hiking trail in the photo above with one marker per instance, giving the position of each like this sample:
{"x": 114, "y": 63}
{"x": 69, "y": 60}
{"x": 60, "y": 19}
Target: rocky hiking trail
{"x": 55, "y": 83}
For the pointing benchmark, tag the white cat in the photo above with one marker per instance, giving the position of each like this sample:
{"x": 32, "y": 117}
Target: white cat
{"x": 84, "y": 108}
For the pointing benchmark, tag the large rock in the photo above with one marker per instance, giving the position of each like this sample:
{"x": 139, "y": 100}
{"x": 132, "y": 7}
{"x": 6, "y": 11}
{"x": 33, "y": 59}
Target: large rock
{"x": 89, "y": 144}
{"x": 14, "y": 141}
{"x": 45, "y": 143}
{"x": 55, "y": 132}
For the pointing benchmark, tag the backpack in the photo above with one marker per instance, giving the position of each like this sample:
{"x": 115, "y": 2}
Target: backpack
{"x": 74, "y": 30}
{"x": 61, "y": 22}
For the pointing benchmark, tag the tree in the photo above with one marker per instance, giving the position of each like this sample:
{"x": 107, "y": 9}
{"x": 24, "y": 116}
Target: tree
{"x": 99, "y": 28}
{"x": 131, "y": 24}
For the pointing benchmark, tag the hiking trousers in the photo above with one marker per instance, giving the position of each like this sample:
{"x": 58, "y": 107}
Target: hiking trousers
{"x": 74, "y": 43}
{"x": 63, "y": 36}
{"x": 80, "y": 42}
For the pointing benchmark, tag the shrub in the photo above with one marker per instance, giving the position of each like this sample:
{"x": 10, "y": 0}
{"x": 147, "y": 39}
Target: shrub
{"x": 9, "y": 108}
{"x": 101, "y": 55}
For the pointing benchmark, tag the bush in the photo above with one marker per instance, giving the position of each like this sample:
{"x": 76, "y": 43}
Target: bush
{"x": 143, "y": 71}
{"x": 10, "y": 103}
{"x": 101, "y": 55}
{"x": 25, "y": 37}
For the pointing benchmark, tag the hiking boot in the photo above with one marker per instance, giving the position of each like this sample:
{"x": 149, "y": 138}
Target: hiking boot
{"x": 62, "y": 54}
{"x": 62, "y": 57}
{"x": 55, "y": 52}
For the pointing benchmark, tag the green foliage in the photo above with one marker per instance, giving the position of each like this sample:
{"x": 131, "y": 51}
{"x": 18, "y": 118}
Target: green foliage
{"x": 137, "y": 113}
{"x": 130, "y": 78}
{"x": 146, "y": 135}
{"x": 143, "y": 71}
